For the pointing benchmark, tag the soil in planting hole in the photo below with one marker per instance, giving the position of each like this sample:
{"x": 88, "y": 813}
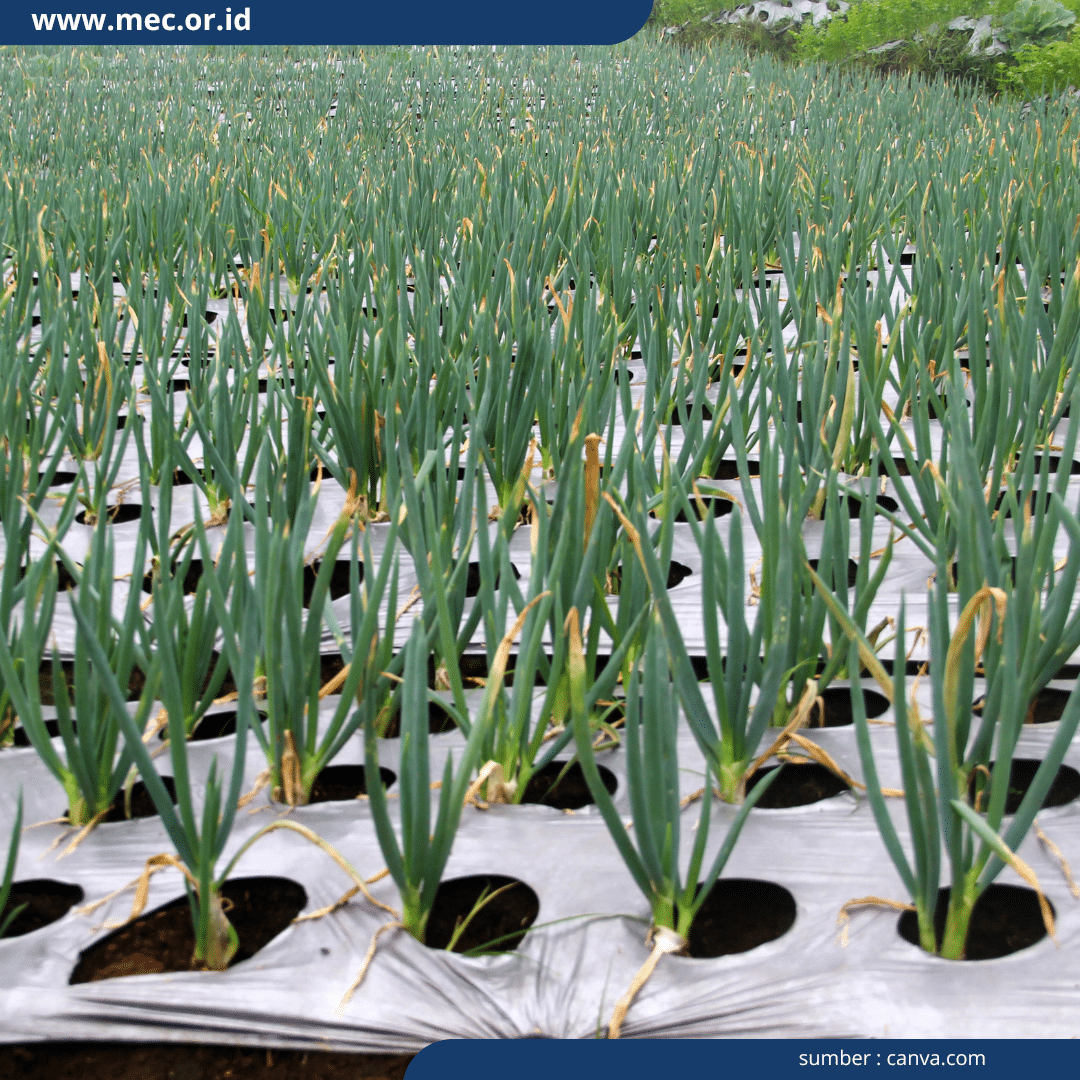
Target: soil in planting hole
{"x": 117, "y": 515}
{"x": 191, "y": 578}
{"x": 142, "y": 806}
{"x": 729, "y": 470}
{"x": 136, "y": 682}
{"x": 60, "y": 478}
{"x": 693, "y": 410}
{"x": 1055, "y": 464}
{"x": 571, "y": 792}
{"x": 901, "y": 467}
{"x": 213, "y": 726}
{"x": 677, "y": 572}
{"x": 340, "y": 783}
{"x": 339, "y": 579}
{"x": 45, "y": 900}
{"x": 797, "y": 785}
{"x": 259, "y": 908}
{"x": 1046, "y": 707}
{"x": 64, "y": 580}
{"x": 854, "y": 506}
{"x": 1031, "y": 500}
{"x": 1064, "y": 789}
{"x": 836, "y": 711}
{"x": 502, "y": 922}
{"x": 439, "y": 721}
{"x": 852, "y": 570}
{"x": 472, "y": 578}
{"x": 1005, "y": 919}
{"x": 713, "y": 508}
{"x": 740, "y": 914}
{"x": 191, "y": 1061}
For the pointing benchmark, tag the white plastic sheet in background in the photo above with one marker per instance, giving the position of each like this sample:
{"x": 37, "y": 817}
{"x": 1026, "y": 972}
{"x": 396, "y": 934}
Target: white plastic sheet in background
{"x": 565, "y": 977}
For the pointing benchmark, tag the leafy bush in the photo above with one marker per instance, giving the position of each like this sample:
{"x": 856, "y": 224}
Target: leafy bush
{"x": 1036, "y": 22}
{"x": 1044, "y": 69}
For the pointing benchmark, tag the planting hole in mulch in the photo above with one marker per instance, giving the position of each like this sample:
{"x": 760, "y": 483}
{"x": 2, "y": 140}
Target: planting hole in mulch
{"x": 136, "y": 682}
{"x": 677, "y": 572}
{"x": 693, "y": 410}
{"x": 729, "y": 470}
{"x": 571, "y": 792}
{"x": 852, "y": 570}
{"x": 500, "y": 923}
{"x": 715, "y": 507}
{"x": 340, "y": 783}
{"x": 472, "y": 578}
{"x": 259, "y": 908}
{"x": 797, "y": 785}
{"x": 60, "y": 478}
{"x": 1064, "y": 789}
{"x": 854, "y": 506}
{"x": 191, "y": 578}
{"x": 339, "y": 579}
{"x": 212, "y": 726}
{"x": 740, "y": 914}
{"x": 901, "y": 467}
{"x": 836, "y": 711}
{"x": 1005, "y": 919}
{"x": 1046, "y": 707}
{"x": 64, "y": 580}
{"x": 142, "y": 806}
{"x": 117, "y": 515}
{"x": 1055, "y": 464}
{"x": 439, "y": 721}
{"x": 1032, "y": 502}
{"x": 45, "y": 900}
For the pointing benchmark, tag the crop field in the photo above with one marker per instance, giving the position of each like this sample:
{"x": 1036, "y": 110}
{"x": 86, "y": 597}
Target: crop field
{"x": 511, "y": 542}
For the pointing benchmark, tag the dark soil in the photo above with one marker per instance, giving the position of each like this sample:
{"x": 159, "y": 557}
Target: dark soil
{"x": 693, "y": 409}
{"x": 117, "y": 515}
{"x": 339, "y": 783}
{"x": 339, "y": 579}
{"x": 136, "y": 682}
{"x": 677, "y": 572}
{"x": 1055, "y": 463}
{"x": 854, "y": 506}
{"x": 191, "y": 578}
{"x": 572, "y": 791}
{"x": 729, "y": 470}
{"x": 183, "y": 1061}
{"x": 740, "y": 914}
{"x": 1046, "y": 707}
{"x": 142, "y": 806}
{"x": 901, "y": 467}
{"x": 1064, "y": 789}
{"x": 60, "y": 478}
{"x": 713, "y": 508}
{"x": 504, "y": 920}
{"x": 1006, "y": 919}
{"x": 836, "y": 707}
{"x": 472, "y": 578}
{"x": 852, "y": 570}
{"x": 163, "y": 940}
{"x": 439, "y": 721}
{"x": 213, "y": 726}
{"x": 46, "y": 901}
{"x": 797, "y": 785}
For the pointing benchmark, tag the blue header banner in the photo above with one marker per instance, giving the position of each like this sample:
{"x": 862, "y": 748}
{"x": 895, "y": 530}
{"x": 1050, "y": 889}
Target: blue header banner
{"x": 777, "y": 1059}
{"x": 282, "y": 22}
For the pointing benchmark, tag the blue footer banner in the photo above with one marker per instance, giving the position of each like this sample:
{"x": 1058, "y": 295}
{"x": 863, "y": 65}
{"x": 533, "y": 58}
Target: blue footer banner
{"x": 654, "y": 1059}
{"x": 281, "y": 22}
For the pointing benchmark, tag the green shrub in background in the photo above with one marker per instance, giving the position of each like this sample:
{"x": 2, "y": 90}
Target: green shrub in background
{"x": 1043, "y": 69}
{"x": 1036, "y": 22}
{"x": 1041, "y": 62}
